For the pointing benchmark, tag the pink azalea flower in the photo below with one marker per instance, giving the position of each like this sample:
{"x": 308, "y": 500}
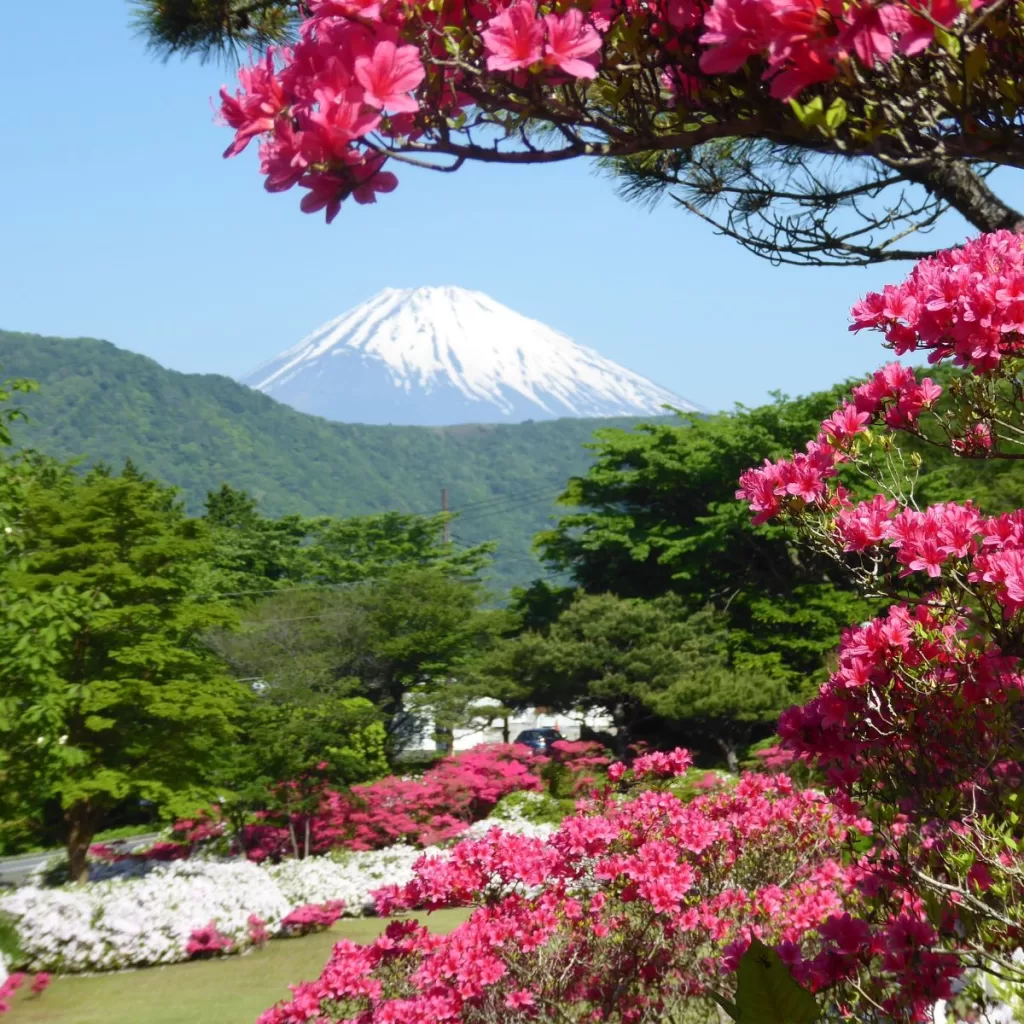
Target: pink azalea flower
{"x": 570, "y": 40}
{"x": 368, "y": 9}
{"x": 389, "y": 75}
{"x": 514, "y": 39}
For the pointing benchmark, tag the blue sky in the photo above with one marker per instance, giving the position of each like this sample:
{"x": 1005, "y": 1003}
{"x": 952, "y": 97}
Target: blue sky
{"x": 119, "y": 220}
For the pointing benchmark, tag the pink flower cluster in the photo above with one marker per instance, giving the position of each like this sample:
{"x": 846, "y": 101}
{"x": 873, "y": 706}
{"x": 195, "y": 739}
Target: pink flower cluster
{"x": 659, "y": 764}
{"x": 311, "y": 918}
{"x": 161, "y": 852}
{"x": 914, "y": 686}
{"x": 517, "y": 38}
{"x": 40, "y": 983}
{"x": 328, "y": 112}
{"x": 806, "y": 42}
{"x": 892, "y": 394}
{"x": 966, "y": 304}
{"x": 625, "y": 912}
{"x": 259, "y": 935}
{"x": 368, "y": 77}
{"x": 986, "y": 550}
{"x": 207, "y": 942}
{"x": 448, "y": 798}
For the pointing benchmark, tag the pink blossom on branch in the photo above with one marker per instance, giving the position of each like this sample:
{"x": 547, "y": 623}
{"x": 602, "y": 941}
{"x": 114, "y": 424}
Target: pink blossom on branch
{"x": 570, "y": 41}
{"x": 389, "y": 75}
{"x": 514, "y": 38}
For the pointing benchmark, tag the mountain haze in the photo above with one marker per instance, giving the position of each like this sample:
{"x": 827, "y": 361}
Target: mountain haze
{"x": 438, "y": 356}
{"x": 200, "y": 430}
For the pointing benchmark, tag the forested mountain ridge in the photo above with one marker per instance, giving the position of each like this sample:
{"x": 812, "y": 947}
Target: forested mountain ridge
{"x": 197, "y": 431}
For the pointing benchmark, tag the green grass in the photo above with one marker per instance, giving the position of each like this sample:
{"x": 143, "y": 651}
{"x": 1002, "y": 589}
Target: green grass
{"x": 235, "y": 990}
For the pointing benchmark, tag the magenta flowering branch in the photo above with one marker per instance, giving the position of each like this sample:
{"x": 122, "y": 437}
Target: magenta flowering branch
{"x": 916, "y": 89}
{"x": 921, "y": 723}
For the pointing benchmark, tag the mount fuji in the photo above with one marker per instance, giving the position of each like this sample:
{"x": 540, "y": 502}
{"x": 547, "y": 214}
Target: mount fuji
{"x": 443, "y": 356}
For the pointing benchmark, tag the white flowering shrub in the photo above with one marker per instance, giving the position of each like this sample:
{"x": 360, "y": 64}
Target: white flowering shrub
{"x": 132, "y": 919}
{"x": 120, "y": 923}
{"x": 512, "y": 822}
{"x": 345, "y": 875}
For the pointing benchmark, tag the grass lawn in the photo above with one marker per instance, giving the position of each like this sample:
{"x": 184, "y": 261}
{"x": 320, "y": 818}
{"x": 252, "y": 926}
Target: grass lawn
{"x": 235, "y": 990}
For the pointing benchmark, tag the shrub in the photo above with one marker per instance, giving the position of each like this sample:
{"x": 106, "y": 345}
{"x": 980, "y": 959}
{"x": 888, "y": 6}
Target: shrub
{"x": 531, "y": 807}
{"x": 311, "y": 918}
{"x": 625, "y": 914}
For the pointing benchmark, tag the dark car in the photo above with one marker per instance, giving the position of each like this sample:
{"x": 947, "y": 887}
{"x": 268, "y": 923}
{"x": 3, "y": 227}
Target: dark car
{"x": 538, "y": 740}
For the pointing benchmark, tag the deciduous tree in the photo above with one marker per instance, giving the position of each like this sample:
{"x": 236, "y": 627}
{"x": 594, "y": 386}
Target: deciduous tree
{"x": 108, "y": 689}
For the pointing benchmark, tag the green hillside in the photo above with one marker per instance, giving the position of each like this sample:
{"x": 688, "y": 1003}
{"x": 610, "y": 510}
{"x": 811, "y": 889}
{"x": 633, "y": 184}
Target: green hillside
{"x": 198, "y": 431}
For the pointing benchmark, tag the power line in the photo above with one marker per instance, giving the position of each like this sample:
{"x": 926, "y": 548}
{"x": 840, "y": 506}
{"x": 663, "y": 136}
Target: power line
{"x": 502, "y": 510}
{"x": 504, "y": 498}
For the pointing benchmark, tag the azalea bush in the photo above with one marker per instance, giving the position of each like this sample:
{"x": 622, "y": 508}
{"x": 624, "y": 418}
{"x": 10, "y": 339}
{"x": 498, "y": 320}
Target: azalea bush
{"x": 921, "y": 724}
{"x": 637, "y": 909}
{"x": 311, "y": 918}
{"x": 433, "y": 808}
{"x": 132, "y": 922}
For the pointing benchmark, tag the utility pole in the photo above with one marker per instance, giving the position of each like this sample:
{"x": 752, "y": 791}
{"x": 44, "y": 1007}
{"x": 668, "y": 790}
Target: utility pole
{"x": 444, "y": 508}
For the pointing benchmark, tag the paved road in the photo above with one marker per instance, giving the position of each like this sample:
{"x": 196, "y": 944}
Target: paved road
{"x": 14, "y": 870}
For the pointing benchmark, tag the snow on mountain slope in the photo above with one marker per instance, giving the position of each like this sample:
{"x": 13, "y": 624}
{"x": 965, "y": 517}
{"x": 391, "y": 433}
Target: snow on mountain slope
{"x": 439, "y": 356}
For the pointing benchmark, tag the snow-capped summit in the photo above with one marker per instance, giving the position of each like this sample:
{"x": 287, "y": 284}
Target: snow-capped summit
{"x": 439, "y": 356}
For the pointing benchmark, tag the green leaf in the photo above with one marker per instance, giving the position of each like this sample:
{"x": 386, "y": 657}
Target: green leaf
{"x": 766, "y": 992}
{"x": 976, "y": 63}
{"x": 730, "y": 1008}
{"x": 836, "y": 113}
{"x": 948, "y": 42}
{"x": 809, "y": 114}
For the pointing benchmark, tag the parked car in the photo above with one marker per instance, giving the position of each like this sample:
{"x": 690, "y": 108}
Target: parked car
{"x": 538, "y": 740}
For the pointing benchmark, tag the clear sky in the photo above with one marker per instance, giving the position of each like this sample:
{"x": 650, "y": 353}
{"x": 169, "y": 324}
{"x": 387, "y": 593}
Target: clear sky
{"x": 119, "y": 220}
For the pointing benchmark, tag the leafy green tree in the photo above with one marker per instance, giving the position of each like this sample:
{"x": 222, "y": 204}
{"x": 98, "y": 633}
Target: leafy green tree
{"x": 108, "y": 690}
{"x": 661, "y": 671}
{"x": 289, "y": 748}
{"x": 420, "y": 625}
{"x": 397, "y": 640}
{"x": 254, "y": 554}
{"x": 658, "y": 515}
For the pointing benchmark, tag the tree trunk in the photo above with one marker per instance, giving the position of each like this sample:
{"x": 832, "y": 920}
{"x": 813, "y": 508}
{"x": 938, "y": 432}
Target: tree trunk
{"x": 620, "y": 717}
{"x": 955, "y": 182}
{"x": 729, "y": 749}
{"x": 81, "y": 819}
{"x": 307, "y": 837}
{"x": 291, "y": 833}
{"x": 505, "y": 730}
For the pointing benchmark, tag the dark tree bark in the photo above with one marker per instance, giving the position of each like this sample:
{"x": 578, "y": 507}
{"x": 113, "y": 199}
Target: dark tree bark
{"x": 731, "y": 755}
{"x": 82, "y": 820}
{"x": 956, "y": 183}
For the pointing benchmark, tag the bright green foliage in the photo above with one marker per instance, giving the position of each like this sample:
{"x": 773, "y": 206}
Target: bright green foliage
{"x": 396, "y": 640}
{"x": 766, "y": 992}
{"x": 281, "y": 739}
{"x": 9, "y": 943}
{"x": 420, "y": 625}
{"x": 655, "y": 666}
{"x": 109, "y": 691}
{"x": 538, "y": 808}
{"x": 660, "y": 516}
{"x": 253, "y": 554}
